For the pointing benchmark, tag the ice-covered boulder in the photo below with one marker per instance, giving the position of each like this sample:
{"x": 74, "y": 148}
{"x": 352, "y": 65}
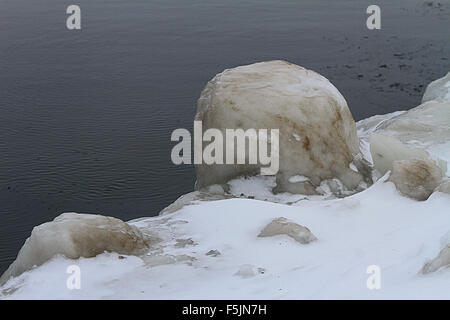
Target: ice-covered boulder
{"x": 438, "y": 89}
{"x": 76, "y": 235}
{"x": 283, "y": 226}
{"x": 317, "y": 133}
{"x": 416, "y": 178}
{"x": 442, "y": 260}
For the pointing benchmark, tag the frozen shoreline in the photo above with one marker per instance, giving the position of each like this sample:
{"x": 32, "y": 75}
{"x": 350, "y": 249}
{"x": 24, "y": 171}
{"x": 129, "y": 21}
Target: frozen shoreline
{"x": 211, "y": 249}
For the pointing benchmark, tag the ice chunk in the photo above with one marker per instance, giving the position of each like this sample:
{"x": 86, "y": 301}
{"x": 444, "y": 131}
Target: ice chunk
{"x": 438, "y": 89}
{"x": 283, "y": 226}
{"x": 317, "y": 133}
{"x": 416, "y": 178}
{"x": 248, "y": 271}
{"x": 386, "y": 149}
{"x": 76, "y": 235}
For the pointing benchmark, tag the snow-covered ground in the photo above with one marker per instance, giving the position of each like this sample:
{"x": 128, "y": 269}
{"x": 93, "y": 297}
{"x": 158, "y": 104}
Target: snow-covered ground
{"x": 375, "y": 227}
{"x": 211, "y": 249}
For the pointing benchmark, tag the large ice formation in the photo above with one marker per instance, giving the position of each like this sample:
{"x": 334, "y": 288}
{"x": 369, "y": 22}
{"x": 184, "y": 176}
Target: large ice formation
{"x": 76, "y": 235}
{"x": 438, "y": 89}
{"x": 317, "y": 133}
{"x": 416, "y": 178}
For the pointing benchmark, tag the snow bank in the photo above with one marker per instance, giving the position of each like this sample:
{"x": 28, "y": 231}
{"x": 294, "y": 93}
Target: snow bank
{"x": 76, "y": 235}
{"x": 317, "y": 132}
{"x": 375, "y": 227}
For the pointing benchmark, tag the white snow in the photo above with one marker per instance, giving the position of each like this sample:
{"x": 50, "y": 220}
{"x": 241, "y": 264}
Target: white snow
{"x": 299, "y": 178}
{"x": 375, "y": 227}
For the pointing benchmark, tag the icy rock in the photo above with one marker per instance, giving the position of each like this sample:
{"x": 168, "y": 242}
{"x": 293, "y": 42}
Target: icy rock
{"x": 416, "y": 178}
{"x": 317, "y": 133}
{"x": 442, "y": 260}
{"x": 438, "y": 89}
{"x": 283, "y": 226}
{"x": 76, "y": 235}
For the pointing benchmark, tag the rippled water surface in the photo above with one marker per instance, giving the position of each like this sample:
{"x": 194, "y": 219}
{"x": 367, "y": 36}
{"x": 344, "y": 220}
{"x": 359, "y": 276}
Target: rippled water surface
{"x": 86, "y": 116}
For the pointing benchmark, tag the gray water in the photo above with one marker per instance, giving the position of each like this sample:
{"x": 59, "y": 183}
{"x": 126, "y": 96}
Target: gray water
{"x": 86, "y": 116}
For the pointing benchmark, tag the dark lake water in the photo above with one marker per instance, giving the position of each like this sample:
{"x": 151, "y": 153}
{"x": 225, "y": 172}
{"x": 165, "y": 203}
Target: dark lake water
{"x": 86, "y": 116}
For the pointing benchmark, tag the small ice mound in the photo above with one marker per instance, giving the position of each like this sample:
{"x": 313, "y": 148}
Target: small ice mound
{"x": 416, "y": 178}
{"x": 442, "y": 260}
{"x": 249, "y": 271}
{"x": 283, "y": 226}
{"x": 438, "y": 89}
{"x": 76, "y": 235}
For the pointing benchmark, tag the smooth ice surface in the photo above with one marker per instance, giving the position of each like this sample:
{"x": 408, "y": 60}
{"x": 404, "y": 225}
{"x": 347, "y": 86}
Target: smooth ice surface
{"x": 317, "y": 132}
